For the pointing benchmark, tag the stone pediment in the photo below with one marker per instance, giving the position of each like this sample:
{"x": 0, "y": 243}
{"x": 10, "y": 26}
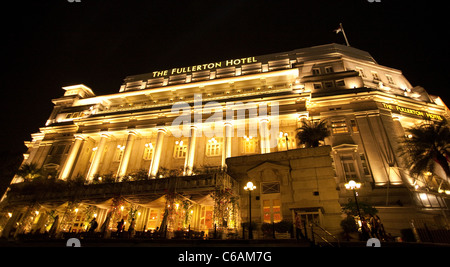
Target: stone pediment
{"x": 345, "y": 147}
{"x": 269, "y": 171}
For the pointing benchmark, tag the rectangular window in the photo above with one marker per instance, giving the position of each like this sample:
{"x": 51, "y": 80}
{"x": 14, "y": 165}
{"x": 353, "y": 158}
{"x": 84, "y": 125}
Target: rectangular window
{"x": 270, "y": 188}
{"x": 364, "y": 164}
{"x": 119, "y": 153}
{"x": 349, "y": 168}
{"x": 317, "y": 86}
{"x": 214, "y": 147}
{"x": 328, "y": 84}
{"x": 148, "y": 152}
{"x": 361, "y": 72}
{"x": 272, "y": 210}
{"x": 389, "y": 79}
{"x": 153, "y": 219}
{"x": 340, "y": 83}
{"x": 339, "y": 126}
{"x": 206, "y": 217}
{"x": 250, "y": 144}
{"x": 329, "y": 69}
{"x": 285, "y": 144}
{"x": 315, "y": 71}
{"x": 375, "y": 76}
{"x": 180, "y": 150}
{"x": 354, "y": 126}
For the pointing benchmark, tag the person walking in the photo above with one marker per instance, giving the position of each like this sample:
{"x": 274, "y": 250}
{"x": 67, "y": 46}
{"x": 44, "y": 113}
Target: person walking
{"x": 299, "y": 227}
{"x": 131, "y": 228}
{"x": 93, "y": 225}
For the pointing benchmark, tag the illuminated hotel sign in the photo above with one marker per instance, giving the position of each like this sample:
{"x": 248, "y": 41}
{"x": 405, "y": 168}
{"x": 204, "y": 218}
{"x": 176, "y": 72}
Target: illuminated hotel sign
{"x": 403, "y": 110}
{"x": 207, "y": 66}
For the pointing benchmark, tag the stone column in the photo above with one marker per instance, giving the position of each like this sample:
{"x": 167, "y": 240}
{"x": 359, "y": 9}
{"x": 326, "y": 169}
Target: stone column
{"x": 122, "y": 171}
{"x": 264, "y": 133}
{"x": 189, "y": 163}
{"x": 93, "y": 169}
{"x": 71, "y": 158}
{"x": 154, "y": 165}
{"x": 226, "y": 151}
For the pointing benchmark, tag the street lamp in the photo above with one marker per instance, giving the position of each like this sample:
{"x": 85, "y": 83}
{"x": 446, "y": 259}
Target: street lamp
{"x": 352, "y": 185}
{"x": 286, "y": 139}
{"x": 250, "y": 187}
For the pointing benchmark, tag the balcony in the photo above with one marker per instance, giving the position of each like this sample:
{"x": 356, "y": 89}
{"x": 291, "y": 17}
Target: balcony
{"x": 50, "y": 191}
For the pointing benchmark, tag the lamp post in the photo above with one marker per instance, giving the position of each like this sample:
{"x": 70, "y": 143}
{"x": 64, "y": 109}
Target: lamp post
{"x": 285, "y": 138}
{"x": 352, "y": 185}
{"x": 250, "y": 187}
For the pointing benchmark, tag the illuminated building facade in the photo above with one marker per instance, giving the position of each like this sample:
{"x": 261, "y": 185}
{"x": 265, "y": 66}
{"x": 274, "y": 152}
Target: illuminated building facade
{"x": 158, "y": 150}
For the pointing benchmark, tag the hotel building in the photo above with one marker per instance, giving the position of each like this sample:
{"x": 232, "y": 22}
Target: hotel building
{"x": 174, "y": 148}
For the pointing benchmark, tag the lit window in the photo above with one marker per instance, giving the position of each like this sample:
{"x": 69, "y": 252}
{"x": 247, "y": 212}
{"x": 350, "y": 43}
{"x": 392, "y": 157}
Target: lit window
{"x": 119, "y": 153}
{"x": 180, "y": 149}
{"x": 272, "y": 210}
{"x": 361, "y": 72}
{"x": 348, "y": 163}
{"x": 286, "y": 141}
{"x": 148, "y": 151}
{"x": 389, "y": 79}
{"x": 214, "y": 147}
{"x": 354, "y": 126}
{"x": 329, "y": 69}
{"x": 250, "y": 144}
{"x": 364, "y": 164}
{"x": 375, "y": 76}
{"x": 339, "y": 126}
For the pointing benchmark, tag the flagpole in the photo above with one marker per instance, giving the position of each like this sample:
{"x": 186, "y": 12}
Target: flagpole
{"x": 343, "y": 32}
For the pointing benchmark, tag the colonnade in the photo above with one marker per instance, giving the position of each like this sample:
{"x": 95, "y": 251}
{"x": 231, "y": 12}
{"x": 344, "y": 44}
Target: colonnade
{"x": 228, "y": 129}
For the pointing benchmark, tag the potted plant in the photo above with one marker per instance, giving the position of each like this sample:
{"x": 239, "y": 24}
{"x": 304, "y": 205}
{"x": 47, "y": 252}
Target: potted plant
{"x": 283, "y": 229}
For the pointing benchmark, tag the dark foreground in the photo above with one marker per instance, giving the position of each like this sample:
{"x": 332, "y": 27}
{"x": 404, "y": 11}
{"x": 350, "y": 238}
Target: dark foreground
{"x": 258, "y": 243}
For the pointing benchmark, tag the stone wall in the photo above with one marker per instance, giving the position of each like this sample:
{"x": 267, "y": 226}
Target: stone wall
{"x": 306, "y": 178}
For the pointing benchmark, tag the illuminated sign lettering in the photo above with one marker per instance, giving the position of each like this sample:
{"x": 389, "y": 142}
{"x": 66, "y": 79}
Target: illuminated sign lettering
{"x": 424, "y": 114}
{"x": 207, "y": 66}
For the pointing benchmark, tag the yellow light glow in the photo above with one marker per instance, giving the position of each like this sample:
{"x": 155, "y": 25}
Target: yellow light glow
{"x": 352, "y": 185}
{"x": 249, "y": 186}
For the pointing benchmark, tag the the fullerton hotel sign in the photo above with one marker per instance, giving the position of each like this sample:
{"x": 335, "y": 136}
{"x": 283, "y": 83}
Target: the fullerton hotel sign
{"x": 207, "y": 66}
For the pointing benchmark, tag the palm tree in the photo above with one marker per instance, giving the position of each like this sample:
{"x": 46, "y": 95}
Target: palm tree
{"x": 312, "y": 132}
{"x": 29, "y": 171}
{"x": 426, "y": 145}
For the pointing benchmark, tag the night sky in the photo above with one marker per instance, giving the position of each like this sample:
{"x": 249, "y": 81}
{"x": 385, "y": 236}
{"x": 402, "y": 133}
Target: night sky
{"x": 50, "y": 44}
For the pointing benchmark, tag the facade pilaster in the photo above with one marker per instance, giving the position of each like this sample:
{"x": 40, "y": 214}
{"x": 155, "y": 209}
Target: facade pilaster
{"x": 73, "y": 153}
{"x": 154, "y": 165}
{"x": 226, "y": 151}
{"x": 264, "y": 133}
{"x": 122, "y": 171}
{"x": 189, "y": 163}
{"x": 93, "y": 169}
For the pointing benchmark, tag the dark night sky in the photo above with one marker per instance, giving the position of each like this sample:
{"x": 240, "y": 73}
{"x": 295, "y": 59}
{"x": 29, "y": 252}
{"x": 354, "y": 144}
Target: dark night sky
{"x": 50, "y": 44}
